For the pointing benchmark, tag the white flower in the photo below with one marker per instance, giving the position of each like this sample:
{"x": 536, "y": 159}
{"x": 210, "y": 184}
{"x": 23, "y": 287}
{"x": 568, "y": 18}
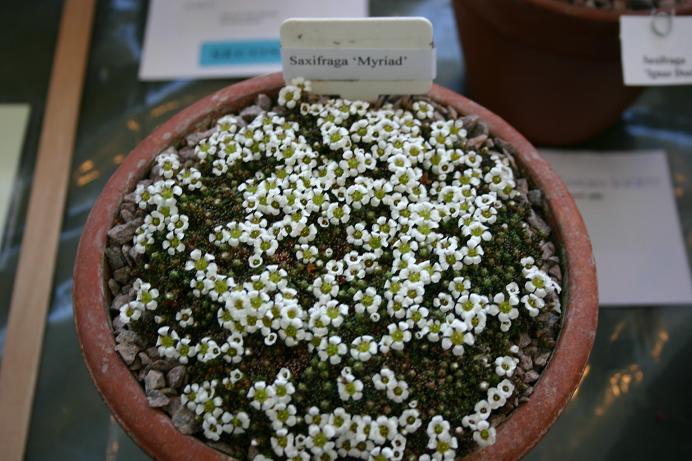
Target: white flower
{"x": 166, "y": 342}
{"x": 505, "y": 365}
{"x": 423, "y": 110}
{"x": 203, "y": 264}
{"x": 131, "y": 311}
{"x": 282, "y": 441}
{"x": 233, "y": 348}
{"x": 506, "y": 388}
{"x": 336, "y": 138}
{"x": 184, "y": 317}
{"x": 146, "y": 295}
{"x": 207, "y": 350}
{"x": 410, "y": 421}
{"x": 472, "y": 251}
{"x": 261, "y": 396}
{"x": 331, "y": 349}
{"x": 383, "y": 429}
{"x": 482, "y": 409}
{"x": 367, "y": 301}
{"x": 504, "y": 307}
{"x": 383, "y": 379}
{"x": 496, "y": 399}
{"x": 540, "y": 284}
{"x": 338, "y": 213}
{"x": 484, "y": 435}
{"x": 238, "y": 423}
{"x": 186, "y": 350}
{"x": 306, "y": 253}
{"x": 325, "y": 287}
{"x": 399, "y": 334}
{"x": 398, "y": 391}
{"x": 533, "y": 304}
{"x": 282, "y": 415}
{"x": 437, "y": 427}
{"x": 212, "y": 428}
{"x": 363, "y": 348}
{"x": 289, "y": 96}
{"x": 349, "y": 387}
{"x": 455, "y": 336}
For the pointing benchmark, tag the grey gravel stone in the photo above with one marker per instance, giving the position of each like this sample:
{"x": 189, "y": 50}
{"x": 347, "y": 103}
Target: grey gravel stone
{"x": 153, "y": 353}
{"x": 264, "y": 102}
{"x": 122, "y": 275}
{"x": 128, "y": 351}
{"x": 524, "y": 340}
{"x": 154, "y": 380}
{"x": 174, "y": 405}
{"x": 525, "y": 362}
{"x": 185, "y": 421}
{"x": 163, "y": 365}
{"x": 115, "y": 257}
{"x": 523, "y": 186}
{"x": 157, "y": 399}
{"x": 187, "y": 153}
{"x": 123, "y": 233}
{"x": 547, "y": 250}
{"x": 144, "y": 359}
{"x": 477, "y": 141}
{"x": 118, "y": 325}
{"x": 194, "y": 138}
{"x": 114, "y": 287}
{"x": 556, "y": 273}
{"x": 128, "y": 211}
{"x": 119, "y": 300}
{"x": 130, "y": 198}
{"x": 125, "y": 250}
{"x": 129, "y": 336}
{"x": 535, "y": 197}
{"x": 132, "y": 254}
{"x": 542, "y": 359}
{"x": 176, "y": 377}
{"x": 169, "y": 150}
{"x": 531, "y": 376}
{"x": 538, "y": 224}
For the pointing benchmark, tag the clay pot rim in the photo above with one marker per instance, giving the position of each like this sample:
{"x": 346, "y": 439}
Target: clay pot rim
{"x": 153, "y": 430}
{"x": 597, "y": 14}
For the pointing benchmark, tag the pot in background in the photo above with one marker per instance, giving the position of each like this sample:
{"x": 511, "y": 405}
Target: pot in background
{"x": 551, "y": 69}
{"x": 153, "y": 430}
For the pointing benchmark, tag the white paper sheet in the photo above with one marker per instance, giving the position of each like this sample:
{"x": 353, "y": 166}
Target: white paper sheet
{"x": 626, "y": 199}
{"x": 13, "y": 119}
{"x": 225, "y": 38}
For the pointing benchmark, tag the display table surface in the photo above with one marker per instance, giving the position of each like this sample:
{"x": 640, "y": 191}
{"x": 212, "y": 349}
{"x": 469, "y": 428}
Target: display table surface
{"x": 634, "y": 402}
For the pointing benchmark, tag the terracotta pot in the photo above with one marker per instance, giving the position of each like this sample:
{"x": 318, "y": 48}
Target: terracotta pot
{"x": 152, "y": 429}
{"x": 551, "y": 69}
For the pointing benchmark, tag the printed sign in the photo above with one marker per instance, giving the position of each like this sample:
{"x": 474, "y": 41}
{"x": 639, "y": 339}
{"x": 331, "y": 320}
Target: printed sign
{"x": 360, "y": 58}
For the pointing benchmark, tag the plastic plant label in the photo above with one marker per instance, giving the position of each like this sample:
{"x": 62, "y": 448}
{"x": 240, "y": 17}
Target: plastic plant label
{"x": 656, "y": 49}
{"x": 360, "y": 58}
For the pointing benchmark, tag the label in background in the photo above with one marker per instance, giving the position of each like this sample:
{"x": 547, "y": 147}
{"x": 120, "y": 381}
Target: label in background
{"x": 360, "y": 58}
{"x": 650, "y": 58}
